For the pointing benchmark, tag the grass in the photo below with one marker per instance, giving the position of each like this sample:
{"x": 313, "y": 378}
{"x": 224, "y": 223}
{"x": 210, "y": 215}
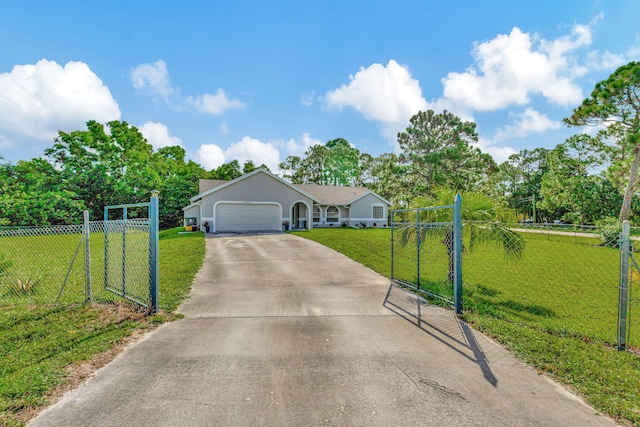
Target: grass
{"x": 555, "y": 308}
{"x": 40, "y": 344}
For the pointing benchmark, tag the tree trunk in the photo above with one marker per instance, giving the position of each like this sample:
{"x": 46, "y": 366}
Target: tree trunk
{"x": 625, "y": 211}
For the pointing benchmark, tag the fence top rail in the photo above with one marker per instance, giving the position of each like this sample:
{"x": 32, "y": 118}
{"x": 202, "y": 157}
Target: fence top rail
{"x": 433, "y": 208}
{"x": 132, "y": 205}
{"x": 424, "y": 224}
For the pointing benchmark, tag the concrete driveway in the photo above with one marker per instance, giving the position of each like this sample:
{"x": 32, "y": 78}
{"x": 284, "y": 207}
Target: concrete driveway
{"x": 281, "y": 331}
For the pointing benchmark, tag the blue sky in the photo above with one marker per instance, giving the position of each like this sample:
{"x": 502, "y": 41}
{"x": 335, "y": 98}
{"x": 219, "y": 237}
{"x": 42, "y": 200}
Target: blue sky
{"x": 263, "y": 80}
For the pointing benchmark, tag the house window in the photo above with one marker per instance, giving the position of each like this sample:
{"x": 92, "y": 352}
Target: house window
{"x": 332, "y": 214}
{"x": 316, "y": 214}
{"x": 378, "y": 212}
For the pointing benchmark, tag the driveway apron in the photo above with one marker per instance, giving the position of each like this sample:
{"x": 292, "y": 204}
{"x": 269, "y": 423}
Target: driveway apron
{"x": 282, "y": 331}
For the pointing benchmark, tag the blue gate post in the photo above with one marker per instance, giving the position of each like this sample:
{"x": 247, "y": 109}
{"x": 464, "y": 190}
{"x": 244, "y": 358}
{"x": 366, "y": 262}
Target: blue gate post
{"x": 106, "y": 246}
{"x": 154, "y": 250}
{"x": 624, "y": 285}
{"x": 457, "y": 253}
{"x": 418, "y": 243}
{"x": 86, "y": 233}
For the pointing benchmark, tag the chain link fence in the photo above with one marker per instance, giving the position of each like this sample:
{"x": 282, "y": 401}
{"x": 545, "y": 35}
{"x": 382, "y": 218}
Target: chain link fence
{"x": 424, "y": 255}
{"x": 102, "y": 261}
{"x": 563, "y": 280}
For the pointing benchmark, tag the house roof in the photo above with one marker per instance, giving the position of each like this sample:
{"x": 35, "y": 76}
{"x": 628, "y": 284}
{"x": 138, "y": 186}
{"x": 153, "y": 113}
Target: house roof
{"x": 322, "y": 194}
{"x": 208, "y": 184}
{"x": 223, "y": 184}
{"x": 333, "y": 195}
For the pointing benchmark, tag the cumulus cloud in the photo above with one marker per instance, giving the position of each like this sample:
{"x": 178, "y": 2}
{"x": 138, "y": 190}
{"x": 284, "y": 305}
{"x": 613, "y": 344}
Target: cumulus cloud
{"x": 512, "y": 67}
{"x": 606, "y": 60}
{"x": 38, "y": 100}
{"x": 256, "y": 150}
{"x": 526, "y": 123}
{"x": 153, "y": 78}
{"x": 215, "y": 104}
{"x": 499, "y": 153}
{"x": 387, "y": 94}
{"x": 295, "y": 148}
{"x": 210, "y": 156}
{"x": 158, "y": 136}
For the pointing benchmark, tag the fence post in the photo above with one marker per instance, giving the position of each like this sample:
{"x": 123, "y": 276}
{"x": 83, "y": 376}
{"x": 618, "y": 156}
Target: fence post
{"x": 457, "y": 253}
{"x": 87, "y": 255}
{"x": 624, "y": 285}
{"x": 418, "y": 244}
{"x": 105, "y": 226}
{"x": 392, "y": 246}
{"x": 153, "y": 250}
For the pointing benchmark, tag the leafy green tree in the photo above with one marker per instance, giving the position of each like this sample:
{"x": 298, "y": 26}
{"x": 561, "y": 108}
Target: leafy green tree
{"x": 32, "y": 193}
{"x": 312, "y": 167}
{"x": 291, "y": 169}
{"x": 569, "y": 187}
{"x": 614, "y": 104}
{"x": 105, "y": 168}
{"x": 334, "y": 163}
{"x": 386, "y": 176}
{"x": 519, "y": 180}
{"x": 228, "y": 171}
{"x": 178, "y": 182}
{"x": 438, "y": 150}
{"x": 343, "y": 163}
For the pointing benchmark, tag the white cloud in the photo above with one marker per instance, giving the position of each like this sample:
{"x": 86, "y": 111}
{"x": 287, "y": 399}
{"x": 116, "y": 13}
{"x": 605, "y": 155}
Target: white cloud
{"x": 295, "y": 148}
{"x": 512, "y": 67}
{"x": 38, "y": 100}
{"x": 252, "y": 149}
{"x": 210, "y": 156}
{"x": 526, "y": 123}
{"x": 158, "y": 136}
{"x": 224, "y": 129}
{"x": 215, "y": 104}
{"x": 306, "y": 100}
{"x": 606, "y": 60}
{"x": 153, "y": 78}
{"x": 387, "y": 94}
{"x": 499, "y": 153}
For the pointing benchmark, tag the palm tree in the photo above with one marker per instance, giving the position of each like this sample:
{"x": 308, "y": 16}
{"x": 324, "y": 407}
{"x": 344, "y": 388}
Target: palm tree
{"x": 485, "y": 222}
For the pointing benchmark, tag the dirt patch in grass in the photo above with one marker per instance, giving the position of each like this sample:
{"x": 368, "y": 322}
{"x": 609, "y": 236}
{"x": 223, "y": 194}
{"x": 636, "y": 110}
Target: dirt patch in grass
{"x": 78, "y": 373}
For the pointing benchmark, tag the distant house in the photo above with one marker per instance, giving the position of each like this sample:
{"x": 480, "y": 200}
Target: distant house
{"x": 261, "y": 201}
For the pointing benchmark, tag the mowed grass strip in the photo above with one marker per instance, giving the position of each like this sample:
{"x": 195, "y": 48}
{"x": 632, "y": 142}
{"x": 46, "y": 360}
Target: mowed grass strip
{"x": 38, "y": 343}
{"x": 555, "y": 308}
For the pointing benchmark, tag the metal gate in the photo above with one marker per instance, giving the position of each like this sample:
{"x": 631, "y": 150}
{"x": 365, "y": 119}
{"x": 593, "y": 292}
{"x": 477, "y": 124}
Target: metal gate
{"x": 131, "y": 254}
{"x": 426, "y": 251}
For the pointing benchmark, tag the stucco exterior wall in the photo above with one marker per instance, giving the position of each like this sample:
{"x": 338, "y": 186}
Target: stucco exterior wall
{"x": 361, "y": 208}
{"x": 192, "y": 212}
{"x": 259, "y": 187}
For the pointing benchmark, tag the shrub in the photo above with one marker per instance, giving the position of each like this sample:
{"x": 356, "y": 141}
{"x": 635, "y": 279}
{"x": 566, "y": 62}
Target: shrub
{"x": 610, "y": 229}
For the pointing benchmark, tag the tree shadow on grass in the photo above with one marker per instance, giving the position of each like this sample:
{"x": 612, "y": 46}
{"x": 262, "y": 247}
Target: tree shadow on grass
{"x": 510, "y": 308}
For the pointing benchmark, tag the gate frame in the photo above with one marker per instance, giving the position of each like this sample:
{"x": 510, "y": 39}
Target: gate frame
{"x": 154, "y": 222}
{"x": 457, "y": 252}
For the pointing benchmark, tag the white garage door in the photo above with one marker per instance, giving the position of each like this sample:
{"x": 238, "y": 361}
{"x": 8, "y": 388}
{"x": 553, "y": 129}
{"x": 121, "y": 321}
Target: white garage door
{"x": 247, "y": 217}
